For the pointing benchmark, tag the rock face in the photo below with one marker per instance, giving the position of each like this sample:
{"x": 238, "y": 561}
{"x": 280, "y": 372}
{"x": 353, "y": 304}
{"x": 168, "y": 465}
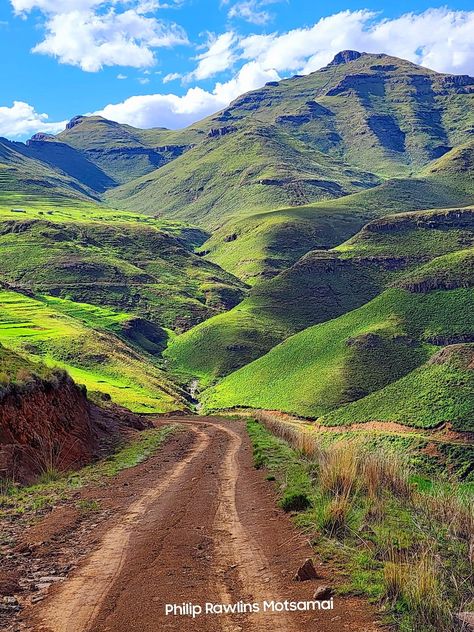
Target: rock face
{"x": 45, "y": 424}
{"x": 344, "y": 57}
{"x": 50, "y": 424}
{"x": 74, "y": 121}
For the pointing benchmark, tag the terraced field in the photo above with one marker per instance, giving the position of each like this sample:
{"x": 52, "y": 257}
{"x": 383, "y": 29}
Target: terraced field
{"x": 93, "y": 356}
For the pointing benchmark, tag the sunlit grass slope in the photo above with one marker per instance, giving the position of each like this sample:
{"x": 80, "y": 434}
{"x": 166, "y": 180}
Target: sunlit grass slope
{"x": 440, "y": 391}
{"x": 345, "y": 359}
{"x": 323, "y": 285}
{"x": 262, "y": 245}
{"x": 82, "y": 345}
{"x": 108, "y": 258}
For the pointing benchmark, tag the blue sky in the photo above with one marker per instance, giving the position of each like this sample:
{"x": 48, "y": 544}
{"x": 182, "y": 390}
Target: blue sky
{"x": 170, "y": 62}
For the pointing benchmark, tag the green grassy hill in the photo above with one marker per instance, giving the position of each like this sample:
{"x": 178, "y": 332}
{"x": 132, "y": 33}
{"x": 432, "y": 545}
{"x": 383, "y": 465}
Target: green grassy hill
{"x": 263, "y": 244}
{"x": 345, "y": 359}
{"x": 81, "y": 340}
{"x": 440, "y": 391}
{"x": 251, "y": 168}
{"x": 26, "y": 175}
{"x": 307, "y": 138}
{"x": 116, "y": 260}
{"x": 325, "y": 284}
{"x": 122, "y": 152}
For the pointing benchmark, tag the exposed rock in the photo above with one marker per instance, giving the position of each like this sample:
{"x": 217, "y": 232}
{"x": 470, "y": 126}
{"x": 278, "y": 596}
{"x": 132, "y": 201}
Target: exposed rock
{"x": 75, "y": 121}
{"x": 306, "y": 572}
{"x": 10, "y": 601}
{"x": 52, "y": 419}
{"x": 322, "y": 593}
{"x": 39, "y": 138}
{"x": 221, "y": 131}
{"x": 345, "y": 56}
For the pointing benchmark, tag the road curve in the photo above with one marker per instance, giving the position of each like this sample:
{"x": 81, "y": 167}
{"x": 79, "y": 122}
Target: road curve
{"x": 202, "y": 527}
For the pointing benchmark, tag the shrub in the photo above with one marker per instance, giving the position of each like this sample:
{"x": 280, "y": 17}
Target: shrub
{"x": 295, "y": 501}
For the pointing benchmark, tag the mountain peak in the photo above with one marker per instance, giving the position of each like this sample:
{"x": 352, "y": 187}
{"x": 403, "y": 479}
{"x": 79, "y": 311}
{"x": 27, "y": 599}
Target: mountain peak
{"x": 75, "y": 121}
{"x": 345, "y": 56}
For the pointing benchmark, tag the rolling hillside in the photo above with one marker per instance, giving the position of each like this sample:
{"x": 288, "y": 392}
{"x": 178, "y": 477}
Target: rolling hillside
{"x": 345, "y": 359}
{"x": 25, "y": 175}
{"x": 91, "y": 345}
{"x": 115, "y": 260}
{"x": 375, "y": 113}
{"x": 325, "y": 284}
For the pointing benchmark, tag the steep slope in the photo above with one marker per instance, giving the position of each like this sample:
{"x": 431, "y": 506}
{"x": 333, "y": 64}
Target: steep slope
{"x": 234, "y": 173}
{"x": 21, "y": 174}
{"x": 121, "y": 152}
{"x": 374, "y": 113}
{"x": 114, "y": 260}
{"x": 440, "y": 391}
{"x": 325, "y": 284}
{"x": 85, "y": 344}
{"x": 345, "y": 359}
{"x": 263, "y": 244}
{"x": 48, "y": 423}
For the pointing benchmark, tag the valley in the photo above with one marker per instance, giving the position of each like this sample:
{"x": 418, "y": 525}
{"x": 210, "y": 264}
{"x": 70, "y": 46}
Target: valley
{"x": 288, "y": 284}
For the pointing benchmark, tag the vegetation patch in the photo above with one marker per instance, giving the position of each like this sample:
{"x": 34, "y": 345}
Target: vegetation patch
{"x": 396, "y": 537}
{"x": 54, "y": 487}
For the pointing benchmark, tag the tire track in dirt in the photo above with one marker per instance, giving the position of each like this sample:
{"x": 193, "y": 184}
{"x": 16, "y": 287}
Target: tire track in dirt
{"x": 76, "y": 605}
{"x": 206, "y": 529}
{"x": 241, "y": 551}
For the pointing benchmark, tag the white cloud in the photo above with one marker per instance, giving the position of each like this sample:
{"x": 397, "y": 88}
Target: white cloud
{"x": 121, "y": 76}
{"x": 250, "y": 11}
{"x": 170, "y": 110}
{"x": 438, "y": 38}
{"x": 92, "y": 34}
{"x": 21, "y": 119}
{"x": 218, "y": 57}
{"x": 172, "y": 76}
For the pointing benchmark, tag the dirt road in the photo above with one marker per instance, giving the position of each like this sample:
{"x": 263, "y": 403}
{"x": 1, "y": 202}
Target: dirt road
{"x": 196, "y": 523}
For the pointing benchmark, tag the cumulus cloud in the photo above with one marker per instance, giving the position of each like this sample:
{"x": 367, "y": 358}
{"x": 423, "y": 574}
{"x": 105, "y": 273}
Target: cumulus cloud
{"x": 170, "y": 110}
{"x": 438, "y": 38}
{"x": 21, "y": 119}
{"x": 218, "y": 57}
{"x": 93, "y": 33}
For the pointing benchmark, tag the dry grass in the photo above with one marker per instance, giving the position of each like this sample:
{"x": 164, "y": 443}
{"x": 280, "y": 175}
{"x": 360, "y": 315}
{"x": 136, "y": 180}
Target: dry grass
{"x": 417, "y": 583}
{"x": 426, "y": 575}
{"x": 386, "y": 470}
{"x": 346, "y": 466}
{"x": 335, "y": 519}
{"x": 340, "y": 468}
{"x": 456, "y": 512}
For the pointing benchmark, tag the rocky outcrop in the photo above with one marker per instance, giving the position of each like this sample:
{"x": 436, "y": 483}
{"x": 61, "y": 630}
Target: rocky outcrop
{"x": 221, "y": 131}
{"x": 76, "y": 120}
{"x": 49, "y": 424}
{"x": 452, "y": 218}
{"x": 344, "y": 57}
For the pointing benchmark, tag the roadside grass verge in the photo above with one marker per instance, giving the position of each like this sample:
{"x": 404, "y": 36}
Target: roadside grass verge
{"x": 53, "y": 486}
{"x": 395, "y": 537}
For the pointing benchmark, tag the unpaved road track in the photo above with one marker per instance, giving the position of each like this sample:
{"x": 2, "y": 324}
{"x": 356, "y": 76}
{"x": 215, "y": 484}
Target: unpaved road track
{"x": 198, "y": 524}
